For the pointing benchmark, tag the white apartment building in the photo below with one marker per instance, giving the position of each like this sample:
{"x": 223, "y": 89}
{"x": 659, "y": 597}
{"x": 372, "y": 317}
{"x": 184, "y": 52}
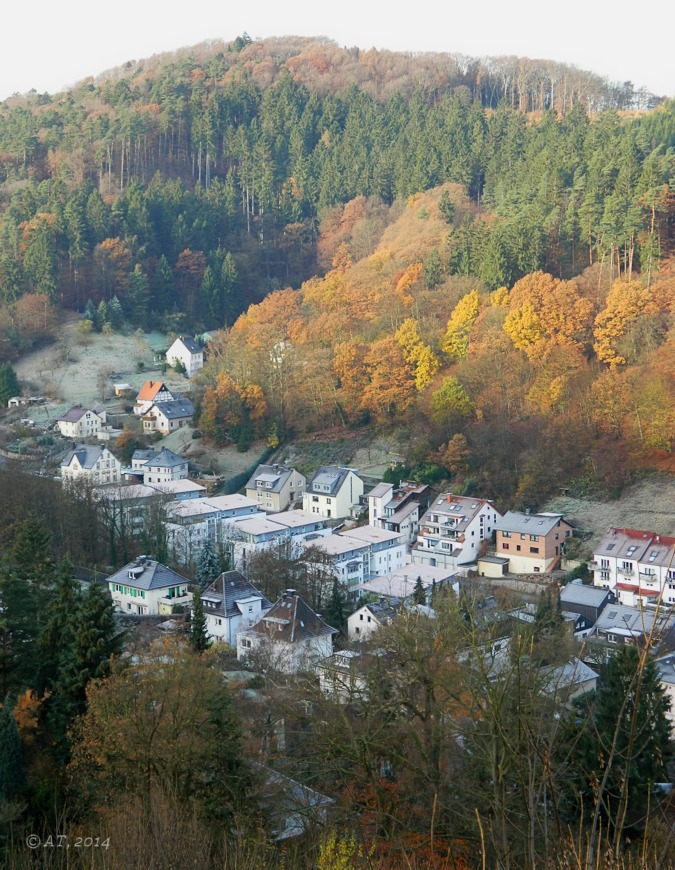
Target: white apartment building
{"x": 637, "y": 566}
{"x": 452, "y": 531}
{"x": 90, "y": 464}
{"x": 333, "y": 492}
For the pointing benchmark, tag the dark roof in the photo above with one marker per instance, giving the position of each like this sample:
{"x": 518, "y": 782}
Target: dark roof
{"x": 87, "y": 455}
{"x": 535, "y": 524}
{"x": 291, "y": 620}
{"x": 142, "y": 454}
{"x": 190, "y": 344}
{"x": 73, "y": 415}
{"x": 176, "y": 408}
{"x": 274, "y": 474}
{"x": 153, "y": 575}
{"x": 332, "y": 476}
{"x": 229, "y": 588}
{"x": 165, "y": 458}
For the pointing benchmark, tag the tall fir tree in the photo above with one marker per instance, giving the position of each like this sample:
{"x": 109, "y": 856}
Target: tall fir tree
{"x": 336, "y": 610}
{"x": 199, "y": 638}
{"x": 208, "y": 565}
{"x": 12, "y": 775}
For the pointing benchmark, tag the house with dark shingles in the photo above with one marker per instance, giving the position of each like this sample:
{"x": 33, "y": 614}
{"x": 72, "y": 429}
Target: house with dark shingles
{"x": 147, "y": 587}
{"x": 637, "y": 566}
{"x": 159, "y": 466}
{"x": 398, "y": 509}
{"x": 333, "y": 492}
{"x": 81, "y": 423}
{"x": 166, "y": 417}
{"x": 275, "y": 487}
{"x": 188, "y": 352}
{"x": 90, "y": 464}
{"x": 232, "y": 604}
{"x": 289, "y": 638}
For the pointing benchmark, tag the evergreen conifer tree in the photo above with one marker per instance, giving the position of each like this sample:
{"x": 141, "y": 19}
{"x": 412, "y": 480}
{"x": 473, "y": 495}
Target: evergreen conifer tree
{"x": 12, "y": 775}
{"x": 199, "y": 638}
{"x": 9, "y": 383}
{"x": 419, "y": 595}
{"x": 336, "y": 610}
{"x": 57, "y": 636}
{"x": 208, "y": 566}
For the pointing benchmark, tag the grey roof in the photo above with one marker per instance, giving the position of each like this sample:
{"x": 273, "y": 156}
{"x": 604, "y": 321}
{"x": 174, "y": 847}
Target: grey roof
{"x": 534, "y": 524}
{"x": 142, "y": 454}
{"x": 176, "y": 408}
{"x": 190, "y": 344}
{"x": 291, "y": 620}
{"x": 165, "y": 459}
{"x": 153, "y": 576}
{"x": 666, "y": 666}
{"x": 73, "y": 415}
{"x": 229, "y": 588}
{"x": 648, "y": 548}
{"x": 87, "y": 455}
{"x": 277, "y": 475}
{"x": 576, "y": 593}
{"x": 332, "y": 476}
{"x": 380, "y": 490}
{"x": 556, "y": 677}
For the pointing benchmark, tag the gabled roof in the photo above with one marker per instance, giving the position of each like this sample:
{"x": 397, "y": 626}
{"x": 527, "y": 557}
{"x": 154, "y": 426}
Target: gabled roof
{"x": 74, "y": 414}
{"x": 87, "y": 455}
{"x": 590, "y": 596}
{"x": 456, "y": 511}
{"x": 150, "y": 389}
{"x": 189, "y": 344}
{"x": 149, "y": 574}
{"x": 291, "y": 620}
{"x": 277, "y": 475}
{"x": 332, "y": 476}
{"x": 533, "y": 524}
{"x": 174, "y": 409}
{"x": 227, "y": 590}
{"x": 646, "y": 547}
{"x": 165, "y": 458}
{"x": 142, "y": 455}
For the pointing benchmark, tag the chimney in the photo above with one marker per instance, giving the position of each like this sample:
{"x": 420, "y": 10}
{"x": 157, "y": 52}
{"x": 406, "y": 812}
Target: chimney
{"x": 289, "y": 592}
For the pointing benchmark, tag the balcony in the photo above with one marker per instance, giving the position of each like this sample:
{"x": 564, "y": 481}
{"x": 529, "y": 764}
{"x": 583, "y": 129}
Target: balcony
{"x": 627, "y": 572}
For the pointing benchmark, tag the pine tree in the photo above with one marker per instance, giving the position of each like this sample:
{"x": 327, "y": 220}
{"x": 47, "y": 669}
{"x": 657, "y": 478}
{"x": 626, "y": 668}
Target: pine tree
{"x": 115, "y": 313}
{"x": 89, "y": 312}
{"x": 419, "y": 595}
{"x": 208, "y": 565}
{"x": 18, "y": 633}
{"x": 336, "y": 610}
{"x": 199, "y": 638}
{"x": 57, "y": 636}
{"x": 31, "y": 551}
{"x": 12, "y": 775}
{"x": 9, "y": 383}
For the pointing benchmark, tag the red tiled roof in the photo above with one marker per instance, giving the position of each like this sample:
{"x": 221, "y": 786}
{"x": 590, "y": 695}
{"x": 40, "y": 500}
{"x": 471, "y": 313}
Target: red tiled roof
{"x": 627, "y": 587}
{"x": 149, "y": 390}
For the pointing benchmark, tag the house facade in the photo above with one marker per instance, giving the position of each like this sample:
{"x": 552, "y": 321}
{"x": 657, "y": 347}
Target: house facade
{"x": 263, "y": 531}
{"x": 637, "y": 566}
{"x": 365, "y": 621}
{"x": 151, "y": 393}
{"x": 147, "y": 587}
{"x": 81, "y": 423}
{"x": 159, "y": 466}
{"x": 398, "y": 509}
{"x": 232, "y": 604}
{"x": 191, "y": 522}
{"x": 334, "y": 492}
{"x": 533, "y": 543}
{"x": 453, "y": 531}
{"x": 90, "y": 464}
{"x": 276, "y": 487}
{"x": 289, "y": 638}
{"x": 166, "y": 417}
{"x": 188, "y": 352}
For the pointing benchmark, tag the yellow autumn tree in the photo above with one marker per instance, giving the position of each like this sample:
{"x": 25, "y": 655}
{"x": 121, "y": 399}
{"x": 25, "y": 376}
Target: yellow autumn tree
{"x": 626, "y": 301}
{"x": 460, "y": 324}
{"x": 523, "y": 327}
{"x": 418, "y": 354}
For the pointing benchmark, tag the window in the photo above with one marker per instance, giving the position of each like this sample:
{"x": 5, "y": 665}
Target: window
{"x": 534, "y": 549}
{"x": 518, "y": 547}
{"x": 505, "y": 546}
{"x": 506, "y": 534}
{"x": 534, "y": 537}
{"x": 522, "y": 537}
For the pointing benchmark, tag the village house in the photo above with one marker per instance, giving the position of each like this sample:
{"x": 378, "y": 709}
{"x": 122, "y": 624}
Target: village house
{"x": 81, "y": 423}
{"x": 368, "y": 619}
{"x": 349, "y": 558}
{"x": 585, "y": 603}
{"x": 159, "y": 466}
{"x": 398, "y": 509}
{"x": 90, "y": 464}
{"x": 666, "y": 666}
{"x": 533, "y": 543}
{"x": 275, "y": 487}
{"x": 147, "y": 587}
{"x": 387, "y": 550}
{"x": 334, "y": 492}
{"x": 637, "y": 566}
{"x": 341, "y": 676}
{"x": 152, "y": 393}
{"x": 289, "y": 638}
{"x": 621, "y": 624}
{"x": 188, "y": 352}
{"x": 166, "y": 417}
{"x": 453, "y": 531}
{"x": 232, "y": 604}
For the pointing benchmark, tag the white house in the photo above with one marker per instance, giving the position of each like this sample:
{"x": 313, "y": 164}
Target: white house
{"x": 367, "y": 619}
{"x": 333, "y": 492}
{"x": 91, "y": 464}
{"x": 188, "y": 352}
{"x": 276, "y": 487}
{"x": 637, "y": 566}
{"x": 152, "y": 393}
{"x": 81, "y": 423}
{"x": 191, "y": 522}
{"x": 166, "y": 417}
{"x": 147, "y": 587}
{"x": 387, "y": 550}
{"x": 262, "y": 531}
{"x": 398, "y": 509}
{"x": 452, "y": 531}
{"x": 232, "y": 604}
{"x": 666, "y": 666}
{"x": 350, "y": 559}
{"x": 289, "y": 638}
{"x": 159, "y": 466}
{"x": 342, "y": 677}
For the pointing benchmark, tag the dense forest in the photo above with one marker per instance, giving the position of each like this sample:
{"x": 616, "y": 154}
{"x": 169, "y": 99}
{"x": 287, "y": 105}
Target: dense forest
{"x": 439, "y": 220}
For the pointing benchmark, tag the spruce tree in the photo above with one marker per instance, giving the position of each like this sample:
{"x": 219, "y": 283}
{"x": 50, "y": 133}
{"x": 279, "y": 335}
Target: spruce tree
{"x": 11, "y": 756}
{"x": 419, "y": 596}
{"x": 208, "y": 566}
{"x": 9, "y": 383}
{"x": 199, "y": 638}
{"x": 18, "y": 633}
{"x": 57, "y": 636}
{"x": 336, "y": 610}
{"x": 115, "y": 313}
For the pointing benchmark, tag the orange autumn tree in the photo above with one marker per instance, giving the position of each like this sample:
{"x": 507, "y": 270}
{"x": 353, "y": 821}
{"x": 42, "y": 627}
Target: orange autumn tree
{"x": 390, "y": 387}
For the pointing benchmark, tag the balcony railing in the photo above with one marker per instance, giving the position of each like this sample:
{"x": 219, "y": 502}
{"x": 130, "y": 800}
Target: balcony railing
{"x": 628, "y": 572}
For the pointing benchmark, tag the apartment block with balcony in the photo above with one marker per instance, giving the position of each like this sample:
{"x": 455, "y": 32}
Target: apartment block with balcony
{"x": 533, "y": 543}
{"x": 452, "y": 531}
{"x": 637, "y": 566}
